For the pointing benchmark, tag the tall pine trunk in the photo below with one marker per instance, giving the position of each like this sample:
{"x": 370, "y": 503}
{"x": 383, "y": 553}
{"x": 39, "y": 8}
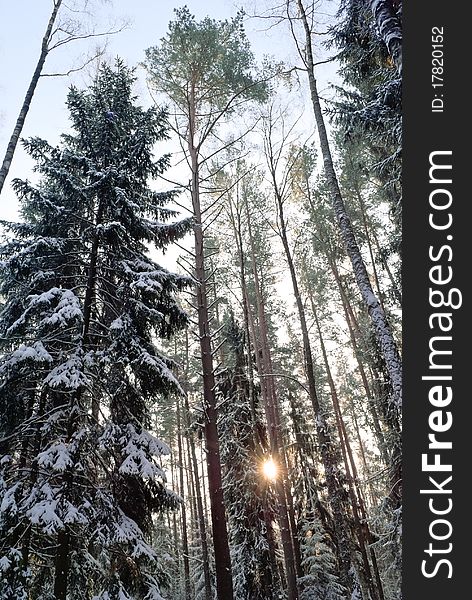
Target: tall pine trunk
{"x": 224, "y": 581}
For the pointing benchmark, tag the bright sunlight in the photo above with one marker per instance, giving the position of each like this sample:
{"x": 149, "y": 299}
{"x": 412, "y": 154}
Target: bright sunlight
{"x": 269, "y": 468}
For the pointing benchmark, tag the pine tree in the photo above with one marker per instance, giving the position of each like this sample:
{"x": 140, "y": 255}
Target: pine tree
{"x": 206, "y": 69}
{"x": 84, "y": 303}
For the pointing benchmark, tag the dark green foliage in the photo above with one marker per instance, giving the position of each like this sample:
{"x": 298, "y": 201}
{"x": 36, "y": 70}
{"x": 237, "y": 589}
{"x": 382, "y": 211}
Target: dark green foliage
{"x": 213, "y": 57}
{"x": 369, "y": 109}
{"x": 84, "y": 304}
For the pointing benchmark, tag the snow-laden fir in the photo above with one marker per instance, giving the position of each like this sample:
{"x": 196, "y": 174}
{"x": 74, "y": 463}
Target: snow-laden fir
{"x": 79, "y": 365}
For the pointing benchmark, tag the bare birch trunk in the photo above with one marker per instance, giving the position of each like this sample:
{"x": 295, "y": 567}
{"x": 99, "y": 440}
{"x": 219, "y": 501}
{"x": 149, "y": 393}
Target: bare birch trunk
{"x": 15, "y": 136}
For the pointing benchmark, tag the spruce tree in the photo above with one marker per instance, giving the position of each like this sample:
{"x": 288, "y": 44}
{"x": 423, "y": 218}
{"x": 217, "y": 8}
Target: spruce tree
{"x": 244, "y": 446}
{"x": 79, "y": 365}
{"x": 321, "y": 581}
{"x": 368, "y": 110}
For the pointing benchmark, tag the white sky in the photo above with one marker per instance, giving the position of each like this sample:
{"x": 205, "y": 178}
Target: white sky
{"x": 22, "y": 25}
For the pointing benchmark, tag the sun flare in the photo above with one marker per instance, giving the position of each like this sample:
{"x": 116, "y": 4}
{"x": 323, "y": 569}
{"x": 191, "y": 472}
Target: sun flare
{"x": 269, "y": 468}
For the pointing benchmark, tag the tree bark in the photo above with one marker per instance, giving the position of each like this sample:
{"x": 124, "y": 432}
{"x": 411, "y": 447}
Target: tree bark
{"x": 15, "y": 136}
{"x": 390, "y": 29}
{"x": 382, "y": 328}
{"x": 224, "y": 582}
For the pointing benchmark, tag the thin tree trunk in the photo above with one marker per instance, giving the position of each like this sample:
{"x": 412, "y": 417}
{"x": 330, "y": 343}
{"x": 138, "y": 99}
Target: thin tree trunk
{"x": 374, "y": 496}
{"x": 382, "y": 329}
{"x": 282, "y": 509}
{"x": 203, "y": 481}
{"x": 200, "y": 511}
{"x": 273, "y": 576}
{"x": 351, "y": 323}
{"x": 357, "y": 501}
{"x": 173, "y": 514}
{"x": 185, "y": 554}
{"x": 369, "y": 246}
{"x": 371, "y": 233}
{"x": 273, "y": 422}
{"x": 191, "y": 495}
{"x": 336, "y": 501}
{"x": 393, "y": 281}
{"x": 392, "y": 454}
{"x": 15, "y": 136}
{"x": 236, "y": 224}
